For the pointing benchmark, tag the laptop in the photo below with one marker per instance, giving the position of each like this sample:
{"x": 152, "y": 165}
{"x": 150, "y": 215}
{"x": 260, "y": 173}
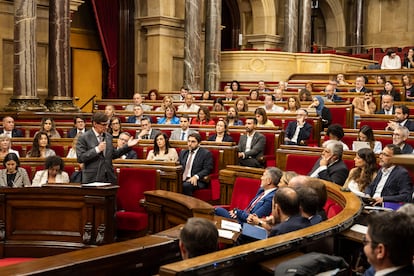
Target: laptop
{"x": 357, "y": 145}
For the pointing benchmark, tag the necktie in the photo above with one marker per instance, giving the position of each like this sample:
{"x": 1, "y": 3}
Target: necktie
{"x": 255, "y": 202}
{"x": 188, "y": 165}
{"x": 182, "y": 135}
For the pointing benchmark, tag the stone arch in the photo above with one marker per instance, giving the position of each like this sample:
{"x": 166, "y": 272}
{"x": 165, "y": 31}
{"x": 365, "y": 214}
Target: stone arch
{"x": 335, "y": 29}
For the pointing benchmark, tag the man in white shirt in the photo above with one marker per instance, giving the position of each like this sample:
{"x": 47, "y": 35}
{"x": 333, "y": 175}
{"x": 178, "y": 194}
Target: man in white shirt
{"x": 188, "y": 105}
{"x": 251, "y": 145}
{"x": 183, "y": 132}
{"x": 228, "y": 93}
{"x": 387, "y": 105}
{"x": 8, "y": 128}
{"x": 269, "y": 105}
{"x": 391, "y": 61}
{"x": 137, "y": 99}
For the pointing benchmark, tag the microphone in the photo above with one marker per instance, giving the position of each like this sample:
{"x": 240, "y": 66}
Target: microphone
{"x": 103, "y": 136}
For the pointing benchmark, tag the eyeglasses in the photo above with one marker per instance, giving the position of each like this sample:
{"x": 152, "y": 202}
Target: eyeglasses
{"x": 103, "y": 124}
{"x": 365, "y": 241}
{"x": 385, "y": 154}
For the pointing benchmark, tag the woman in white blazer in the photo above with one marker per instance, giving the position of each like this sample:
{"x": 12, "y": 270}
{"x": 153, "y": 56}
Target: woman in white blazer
{"x": 52, "y": 174}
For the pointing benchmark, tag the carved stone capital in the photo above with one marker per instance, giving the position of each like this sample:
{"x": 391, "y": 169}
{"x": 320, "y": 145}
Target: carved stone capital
{"x": 61, "y": 104}
{"x": 25, "y": 103}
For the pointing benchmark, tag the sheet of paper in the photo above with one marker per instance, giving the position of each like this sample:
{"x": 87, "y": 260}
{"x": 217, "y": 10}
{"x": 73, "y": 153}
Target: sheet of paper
{"x": 359, "y": 228}
{"x": 225, "y": 234}
{"x": 96, "y": 184}
{"x": 229, "y": 225}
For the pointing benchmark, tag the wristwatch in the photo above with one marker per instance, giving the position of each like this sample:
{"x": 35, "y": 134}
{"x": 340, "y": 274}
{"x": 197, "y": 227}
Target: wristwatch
{"x": 260, "y": 223}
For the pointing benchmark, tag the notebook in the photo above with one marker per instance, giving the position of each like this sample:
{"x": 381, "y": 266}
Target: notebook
{"x": 254, "y": 231}
{"x": 357, "y": 145}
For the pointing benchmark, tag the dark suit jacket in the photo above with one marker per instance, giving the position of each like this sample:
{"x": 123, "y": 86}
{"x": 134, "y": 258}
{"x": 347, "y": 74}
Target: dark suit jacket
{"x": 15, "y": 132}
{"x": 397, "y": 188}
{"x": 336, "y": 173}
{"x": 262, "y": 208}
{"x": 304, "y": 132}
{"x": 407, "y": 149}
{"x": 404, "y": 271}
{"x": 381, "y": 111}
{"x": 132, "y": 154}
{"x": 226, "y": 138}
{"x": 410, "y": 125}
{"x": 257, "y": 146}
{"x": 97, "y": 166}
{"x": 202, "y": 164}
{"x": 73, "y": 131}
{"x": 362, "y": 90}
{"x": 294, "y": 223}
{"x": 154, "y": 132}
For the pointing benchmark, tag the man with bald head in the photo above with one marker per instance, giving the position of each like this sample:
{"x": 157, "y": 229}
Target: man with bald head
{"x": 8, "y": 128}
{"x": 387, "y": 105}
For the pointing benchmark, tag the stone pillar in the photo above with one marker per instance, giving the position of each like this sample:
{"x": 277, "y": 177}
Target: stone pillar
{"x": 59, "y": 57}
{"x": 24, "y": 76}
{"x": 291, "y": 26}
{"x": 358, "y": 31}
{"x": 212, "y": 46}
{"x": 192, "y": 45}
{"x": 305, "y": 31}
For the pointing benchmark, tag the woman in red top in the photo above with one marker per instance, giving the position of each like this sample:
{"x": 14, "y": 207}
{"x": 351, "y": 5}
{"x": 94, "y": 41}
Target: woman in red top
{"x": 203, "y": 117}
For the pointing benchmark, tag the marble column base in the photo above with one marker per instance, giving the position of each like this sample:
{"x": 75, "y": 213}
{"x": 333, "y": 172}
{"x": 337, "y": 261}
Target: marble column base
{"x": 25, "y": 103}
{"x": 61, "y": 104}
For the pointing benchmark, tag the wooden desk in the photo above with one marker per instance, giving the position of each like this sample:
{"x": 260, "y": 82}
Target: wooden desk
{"x": 44, "y": 221}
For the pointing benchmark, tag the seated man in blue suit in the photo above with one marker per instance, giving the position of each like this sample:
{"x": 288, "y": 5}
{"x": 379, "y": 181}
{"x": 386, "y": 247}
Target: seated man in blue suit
{"x": 261, "y": 204}
{"x": 298, "y": 132}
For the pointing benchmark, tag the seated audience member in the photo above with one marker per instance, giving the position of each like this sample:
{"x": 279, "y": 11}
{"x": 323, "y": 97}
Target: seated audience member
{"x": 184, "y": 131}
{"x": 408, "y": 61}
{"x": 282, "y": 85}
{"x": 330, "y": 165}
{"x": 48, "y": 126}
{"x": 299, "y": 131}
{"x": 5, "y": 146}
{"x": 181, "y": 96}
{"x": 79, "y": 126}
{"x": 286, "y": 177}
{"x": 72, "y": 150}
{"x": 387, "y": 105}
{"x": 399, "y": 138}
{"x": 309, "y": 86}
{"x": 408, "y": 87}
{"x": 251, "y": 145}
{"x": 335, "y": 132}
{"x": 305, "y": 95}
{"x": 115, "y": 127}
{"x": 380, "y": 79}
{"x": 166, "y": 101}
{"x": 153, "y": 95}
{"x": 241, "y": 104}
{"x": 199, "y": 236}
{"x": 365, "y": 134}
{"x": 41, "y": 146}
{"x": 309, "y": 204}
{"x": 197, "y": 163}
{"x": 261, "y": 205}
{"x": 321, "y": 110}
{"x": 261, "y": 117}
{"x": 53, "y": 172}
{"x": 363, "y": 173}
{"x": 235, "y": 86}
{"x": 188, "y": 105}
{"x": 228, "y": 94}
{"x": 261, "y": 87}
{"x": 162, "y": 150}
{"x": 359, "y": 85}
{"x": 392, "y": 183}
{"x": 389, "y": 89}
{"x": 293, "y": 104}
{"x": 254, "y": 95}
{"x": 138, "y": 115}
{"x": 340, "y": 79}
{"x": 123, "y": 139}
{"x": 364, "y": 104}
{"x": 221, "y": 134}
{"x": 203, "y": 117}
{"x": 278, "y": 94}
{"x": 389, "y": 243}
{"x": 170, "y": 117}
{"x": 110, "y": 111}
{"x": 269, "y": 105}
{"x": 137, "y": 100}
{"x": 401, "y": 115}
{"x": 9, "y": 129}
{"x": 330, "y": 94}
{"x": 147, "y": 132}
{"x": 391, "y": 60}
{"x": 286, "y": 211}
{"x": 12, "y": 175}
{"x": 232, "y": 117}
{"x": 218, "y": 105}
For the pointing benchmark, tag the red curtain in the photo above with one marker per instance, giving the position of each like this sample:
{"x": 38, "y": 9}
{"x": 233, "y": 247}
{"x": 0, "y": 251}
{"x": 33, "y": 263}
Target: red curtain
{"x": 107, "y": 19}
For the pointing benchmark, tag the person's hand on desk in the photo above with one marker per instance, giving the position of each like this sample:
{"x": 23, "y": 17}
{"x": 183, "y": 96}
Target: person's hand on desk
{"x": 233, "y": 213}
{"x": 378, "y": 201}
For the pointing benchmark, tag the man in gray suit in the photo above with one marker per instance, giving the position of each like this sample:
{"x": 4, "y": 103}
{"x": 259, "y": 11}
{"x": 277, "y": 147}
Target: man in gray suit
{"x": 184, "y": 131}
{"x": 251, "y": 146}
{"x": 96, "y": 151}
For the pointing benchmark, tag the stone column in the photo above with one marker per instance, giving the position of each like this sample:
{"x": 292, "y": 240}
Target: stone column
{"x": 192, "y": 45}
{"x": 358, "y": 31}
{"x": 291, "y": 26}
{"x": 212, "y": 46}
{"x": 305, "y": 31}
{"x": 59, "y": 57}
{"x": 24, "y": 77}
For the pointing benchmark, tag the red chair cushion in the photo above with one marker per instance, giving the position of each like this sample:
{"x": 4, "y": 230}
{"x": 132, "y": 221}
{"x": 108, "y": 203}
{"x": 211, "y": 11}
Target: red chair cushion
{"x": 301, "y": 164}
{"x": 244, "y": 191}
{"x": 332, "y": 208}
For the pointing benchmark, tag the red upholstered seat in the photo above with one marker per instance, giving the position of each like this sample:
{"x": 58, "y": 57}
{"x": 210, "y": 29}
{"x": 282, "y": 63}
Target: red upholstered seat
{"x": 244, "y": 190}
{"x": 332, "y": 208}
{"x": 133, "y": 182}
{"x": 212, "y": 192}
{"x": 301, "y": 164}
{"x": 10, "y": 261}
{"x": 270, "y": 149}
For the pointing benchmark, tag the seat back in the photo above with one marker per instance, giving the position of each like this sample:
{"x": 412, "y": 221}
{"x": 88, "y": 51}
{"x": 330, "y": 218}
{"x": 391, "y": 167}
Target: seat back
{"x": 244, "y": 190}
{"x": 133, "y": 182}
{"x": 301, "y": 164}
{"x": 332, "y": 208}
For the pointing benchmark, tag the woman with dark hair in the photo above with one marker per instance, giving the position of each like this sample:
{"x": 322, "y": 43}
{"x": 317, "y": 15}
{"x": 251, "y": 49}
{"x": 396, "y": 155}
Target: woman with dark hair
{"x": 170, "y": 117}
{"x": 162, "y": 150}
{"x": 408, "y": 62}
{"x": 115, "y": 127}
{"x": 13, "y": 176}
{"x": 206, "y": 96}
{"x": 380, "y": 79}
{"x": 218, "y": 105}
{"x": 364, "y": 172}
{"x": 408, "y": 87}
{"x": 241, "y": 104}
{"x": 203, "y": 117}
{"x": 221, "y": 134}
{"x": 53, "y": 172}
{"x": 153, "y": 95}
{"x": 336, "y": 132}
{"x": 254, "y": 95}
{"x": 321, "y": 110}
{"x": 293, "y": 105}
{"x": 390, "y": 90}
{"x": 365, "y": 134}
{"x": 305, "y": 95}
{"x": 41, "y": 146}
{"x": 48, "y": 126}
{"x": 235, "y": 86}
{"x": 261, "y": 117}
